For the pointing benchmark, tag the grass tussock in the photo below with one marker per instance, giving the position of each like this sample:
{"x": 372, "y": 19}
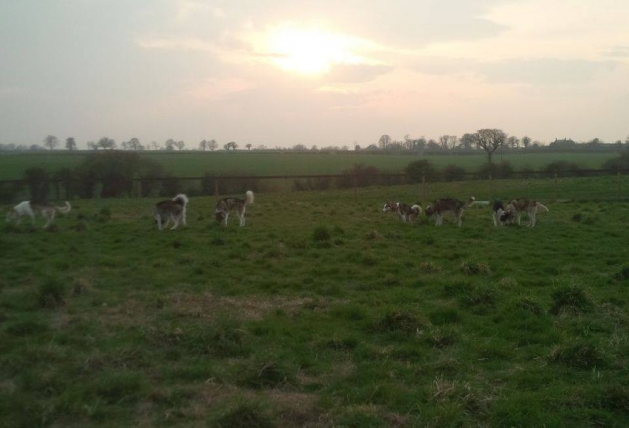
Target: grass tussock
{"x": 51, "y": 294}
{"x": 571, "y": 299}
{"x": 245, "y": 415}
{"x": 475, "y": 268}
{"x": 398, "y": 321}
{"x": 584, "y": 356}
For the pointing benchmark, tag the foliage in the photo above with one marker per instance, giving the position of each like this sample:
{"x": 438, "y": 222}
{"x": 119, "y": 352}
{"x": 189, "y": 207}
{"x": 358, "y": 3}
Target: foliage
{"x": 619, "y": 163}
{"x": 563, "y": 168}
{"x": 497, "y": 171}
{"x": 453, "y": 173}
{"x": 37, "y": 182}
{"x": 419, "y": 169}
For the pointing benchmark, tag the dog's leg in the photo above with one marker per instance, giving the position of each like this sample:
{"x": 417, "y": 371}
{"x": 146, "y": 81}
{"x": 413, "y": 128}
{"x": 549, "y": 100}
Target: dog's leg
{"x": 175, "y": 221}
{"x": 438, "y": 222}
{"x": 158, "y": 218}
{"x": 225, "y": 219}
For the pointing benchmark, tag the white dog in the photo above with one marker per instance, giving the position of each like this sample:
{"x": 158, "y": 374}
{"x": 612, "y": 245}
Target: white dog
{"x": 174, "y": 210}
{"x": 29, "y": 208}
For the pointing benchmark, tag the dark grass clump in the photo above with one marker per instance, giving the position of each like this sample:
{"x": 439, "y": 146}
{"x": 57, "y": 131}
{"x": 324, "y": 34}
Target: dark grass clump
{"x": 478, "y": 297}
{"x": 580, "y": 356}
{"x": 266, "y": 375}
{"x": 475, "y": 268}
{"x": 398, "y": 321}
{"x": 529, "y": 305}
{"x": 571, "y": 299}
{"x": 245, "y": 415}
{"x": 51, "y": 294}
{"x": 321, "y": 234}
{"x": 616, "y": 398}
{"x": 444, "y": 316}
{"x": 623, "y": 274}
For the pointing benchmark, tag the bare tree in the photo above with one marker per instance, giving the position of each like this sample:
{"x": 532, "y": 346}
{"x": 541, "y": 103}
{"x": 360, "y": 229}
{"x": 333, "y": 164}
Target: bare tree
{"x": 107, "y": 143}
{"x": 490, "y": 140}
{"x": 203, "y": 145}
{"x": 92, "y": 145}
{"x": 169, "y": 144}
{"x": 180, "y": 145}
{"x": 467, "y": 141}
{"x": 70, "y": 144}
{"x": 447, "y": 142}
{"x": 154, "y": 145}
{"x": 248, "y": 146}
{"x": 51, "y": 142}
{"x": 384, "y": 142}
{"x": 526, "y": 141}
{"x": 231, "y": 145}
{"x": 124, "y": 145}
{"x": 212, "y": 145}
{"x": 513, "y": 142}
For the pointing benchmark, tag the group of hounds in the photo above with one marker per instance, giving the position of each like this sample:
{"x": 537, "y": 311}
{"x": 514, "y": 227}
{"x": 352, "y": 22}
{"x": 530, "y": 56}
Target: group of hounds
{"x": 502, "y": 214}
{"x": 163, "y": 212}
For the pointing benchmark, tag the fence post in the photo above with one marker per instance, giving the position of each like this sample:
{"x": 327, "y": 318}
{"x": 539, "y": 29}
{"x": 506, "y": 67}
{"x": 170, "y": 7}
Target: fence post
{"x": 555, "y": 187}
{"x": 423, "y": 187}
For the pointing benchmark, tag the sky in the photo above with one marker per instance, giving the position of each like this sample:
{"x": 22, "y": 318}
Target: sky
{"x": 324, "y": 72}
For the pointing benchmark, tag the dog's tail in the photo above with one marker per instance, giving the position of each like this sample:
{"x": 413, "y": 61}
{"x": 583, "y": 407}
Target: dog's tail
{"x": 65, "y": 209}
{"x": 417, "y": 208}
{"x": 182, "y": 199}
{"x": 249, "y": 195}
{"x": 542, "y": 207}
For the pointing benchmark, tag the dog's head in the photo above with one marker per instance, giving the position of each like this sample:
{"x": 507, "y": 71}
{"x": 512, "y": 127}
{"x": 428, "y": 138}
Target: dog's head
{"x": 390, "y": 206}
{"x": 11, "y": 215}
{"x": 504, "y": 216}
{"x": 219, "y": 215}
{"x": 429, "y": 210}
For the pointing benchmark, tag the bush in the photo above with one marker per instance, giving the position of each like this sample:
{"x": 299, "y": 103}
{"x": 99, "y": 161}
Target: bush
{"x": 37, "y": 181}
{"x": 500, "y": 171}
{"x": 571, "y": 298}
{"x": 453, "y": 173}
{"x": 619, "y": 163}
{"x": 66, "y": 180}
{"x": 563, "y": 168}
{"x": 359, "y": 174}
{"x": 421, "y": 168}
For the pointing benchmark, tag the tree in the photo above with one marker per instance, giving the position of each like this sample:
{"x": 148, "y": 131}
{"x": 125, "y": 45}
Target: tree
{"x": 154, "y": 145}
{"x": 92, "y": 145}
{"x": 107, "y": 143}
{"x": 212, "y": 145}
{"x": 134, "y": 144}
{"x": 180, "y": 145}
{"x": 70, "y": 144}
{"x": 432, "y": 145}
{"x": 203, "y": 145}
{"x": 467, "y": 142}
{"x": 526, "y": 141}
{"x": 51, "y": 142}
{"x": 169, "y": 144}
{"x": 384, "y": 142}
{"x": 248, "y": 146}
{"x": 490, "y": 140}
{"x": 513, "y": 142}
{"x": 231, "y": 145}
{"x": 447, "y": 142}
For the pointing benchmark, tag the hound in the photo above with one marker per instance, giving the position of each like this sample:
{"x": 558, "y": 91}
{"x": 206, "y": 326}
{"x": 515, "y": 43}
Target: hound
{"x": 30, "y": 208}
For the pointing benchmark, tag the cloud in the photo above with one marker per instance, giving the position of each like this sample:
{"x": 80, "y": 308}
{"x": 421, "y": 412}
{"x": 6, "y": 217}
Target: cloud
{"x": 619, "y": 52}
{"x": 349, "y": 73}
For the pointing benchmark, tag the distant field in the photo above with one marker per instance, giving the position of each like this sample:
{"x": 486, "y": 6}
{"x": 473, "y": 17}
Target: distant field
{"x": 190, "y": 164}
{"x": 326, "y": 312}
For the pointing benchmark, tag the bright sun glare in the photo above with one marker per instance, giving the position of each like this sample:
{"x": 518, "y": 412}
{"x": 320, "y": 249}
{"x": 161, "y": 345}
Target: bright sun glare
{"x": 310, "y": 51}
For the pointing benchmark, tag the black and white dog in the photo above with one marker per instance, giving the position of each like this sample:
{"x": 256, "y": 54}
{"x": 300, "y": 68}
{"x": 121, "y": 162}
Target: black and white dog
{"x": 501, "y": 215}
{"x": 174, "y": 210}
{"x": 407, "y": 213}
{"x": 225, "y": 205}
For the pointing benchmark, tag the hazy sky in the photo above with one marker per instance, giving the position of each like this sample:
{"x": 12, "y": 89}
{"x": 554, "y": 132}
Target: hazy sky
{"x": 324, "y": 72}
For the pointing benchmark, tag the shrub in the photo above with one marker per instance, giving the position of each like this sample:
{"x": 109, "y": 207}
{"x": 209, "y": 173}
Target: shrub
{"x": 563, "y": 168}
{"x": 499, "y": 171}
{"x": 37, "y": 181}
{"x": 619, "y": 163}
{"x": 421, "y": 168}
{"x": 453, "y": 173}
{"x": 360, "y": 174}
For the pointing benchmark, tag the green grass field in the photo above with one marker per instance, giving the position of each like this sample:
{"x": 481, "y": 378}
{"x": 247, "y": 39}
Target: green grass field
{"x": 195, "y": 164}
{"x": 322, "y": 311}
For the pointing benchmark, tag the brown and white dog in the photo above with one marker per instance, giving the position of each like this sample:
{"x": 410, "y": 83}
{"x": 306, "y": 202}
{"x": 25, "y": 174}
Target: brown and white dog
{"x": 30, "y": 208}
{"x": 444, "y": 205}
{"x": 225, "y": 205}
{"x": 174, "y": 210}
{"x": 517, "y": 206}
{"x": 407, "y": 213}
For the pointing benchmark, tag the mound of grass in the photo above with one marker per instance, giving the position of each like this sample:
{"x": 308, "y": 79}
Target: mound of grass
{"x": 622, "y": 274}
{"x": 398, "y": 321}
{"x": 475, "y": 268}
{"x": 578, "y": 356}
{"x": 321, "y": 234}
{"x": 51, "y": 294}
{"x": 444, "y": 316}
{"x": 572, "y": 299}
{"x": 266, "y": 374}
{"x": 245, "y": 415}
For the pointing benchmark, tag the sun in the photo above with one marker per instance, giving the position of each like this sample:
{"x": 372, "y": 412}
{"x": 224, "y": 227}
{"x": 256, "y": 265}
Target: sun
{"x": 309, "y": 51}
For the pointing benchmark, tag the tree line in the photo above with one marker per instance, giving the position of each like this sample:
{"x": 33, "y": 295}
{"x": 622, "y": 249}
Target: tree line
{"x": 487, "y": 140}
